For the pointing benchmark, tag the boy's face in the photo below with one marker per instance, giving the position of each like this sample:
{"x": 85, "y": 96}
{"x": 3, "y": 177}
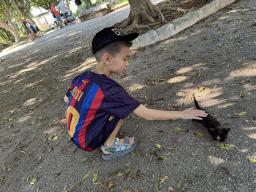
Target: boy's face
{"x": 119, "y": 62}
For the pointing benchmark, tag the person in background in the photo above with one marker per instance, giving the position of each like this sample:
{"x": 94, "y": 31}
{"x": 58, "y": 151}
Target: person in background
{"x": 56, "y": 15}
{"x": 64, "y": 10}
{"x": 27, "y": 30}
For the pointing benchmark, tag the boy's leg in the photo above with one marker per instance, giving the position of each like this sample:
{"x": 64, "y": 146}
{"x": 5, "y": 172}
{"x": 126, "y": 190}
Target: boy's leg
{"x": 111, "y": 139}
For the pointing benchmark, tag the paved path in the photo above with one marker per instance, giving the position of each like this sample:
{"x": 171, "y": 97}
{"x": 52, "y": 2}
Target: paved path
{"x": 84, "y": 31}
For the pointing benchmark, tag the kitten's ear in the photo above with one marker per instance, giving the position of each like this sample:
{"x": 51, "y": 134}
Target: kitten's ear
{"x": 226, "y": 130}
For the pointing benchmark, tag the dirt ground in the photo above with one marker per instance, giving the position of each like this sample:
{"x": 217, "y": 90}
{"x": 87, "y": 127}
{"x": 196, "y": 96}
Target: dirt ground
{"x": 213, "y": 60}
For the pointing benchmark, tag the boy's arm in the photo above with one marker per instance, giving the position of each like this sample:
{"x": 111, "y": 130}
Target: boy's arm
{"x": 153, "y": 114}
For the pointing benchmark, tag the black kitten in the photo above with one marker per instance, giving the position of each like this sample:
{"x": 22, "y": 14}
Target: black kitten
{"x": 218, "y": 132}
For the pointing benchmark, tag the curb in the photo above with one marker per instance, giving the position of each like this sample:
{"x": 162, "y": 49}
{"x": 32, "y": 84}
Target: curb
{"x": 179, "y": 24}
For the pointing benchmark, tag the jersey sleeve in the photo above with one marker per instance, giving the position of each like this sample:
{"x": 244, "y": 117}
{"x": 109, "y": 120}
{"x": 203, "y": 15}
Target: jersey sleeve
{"x": 118, "y": 102}
{"x": 74, "y": 82}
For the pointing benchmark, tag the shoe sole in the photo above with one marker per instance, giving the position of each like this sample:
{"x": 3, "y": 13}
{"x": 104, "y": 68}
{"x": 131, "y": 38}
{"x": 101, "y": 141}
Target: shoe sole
{"x": 120, "y": 153}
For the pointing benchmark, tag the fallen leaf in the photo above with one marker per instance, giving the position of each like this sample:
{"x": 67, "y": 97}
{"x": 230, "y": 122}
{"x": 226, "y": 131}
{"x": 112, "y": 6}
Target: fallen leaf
{"x": 156, "y": 184}
{"x": 120, "y": 174}
{"x": 179, "y": 184}
{"x": 252, "y": 160}
{"x": 95, "y": 178}
{"x": 135, "y": 153}
{"x": 235, "y": 116}
{"x": 33, "y": 181}
{"x": 177, "y": 128}
{"x": 128, "y": 170}
{"x": 55, "y": 138}
{"x": 86, "y": 176}
{"x": 227, "y": 146}
{"x": 171, "y": 189}
{"x": 158, "y": 146}
{"x": 163, "y": 180}
{"x": 113, "y": 173}
{"x": 164, "y": 158}
{"x": 85, "y": 159}
{"x": 198, "y": 134}
{"x": 76, "y": 187}
{"x": 154, "y": 151}
{"x": 246, "y": 121}
{"x": 242, "y": 113}
{"x": 51, "y": 137}
{"x": 222, "y": 146}
{"x": 225, "y": 170}
{"x": 187, "y": 177}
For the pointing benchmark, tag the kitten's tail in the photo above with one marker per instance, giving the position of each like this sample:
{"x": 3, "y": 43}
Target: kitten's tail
{"x": 197, "y": 106}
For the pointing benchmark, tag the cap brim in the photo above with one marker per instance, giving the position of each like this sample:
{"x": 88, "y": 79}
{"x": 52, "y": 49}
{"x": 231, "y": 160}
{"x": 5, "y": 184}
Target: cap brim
{"x": 129, "y": 37}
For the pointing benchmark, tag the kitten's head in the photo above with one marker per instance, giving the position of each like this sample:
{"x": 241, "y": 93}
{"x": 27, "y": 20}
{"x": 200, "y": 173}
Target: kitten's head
{"x": 219, "y": 134}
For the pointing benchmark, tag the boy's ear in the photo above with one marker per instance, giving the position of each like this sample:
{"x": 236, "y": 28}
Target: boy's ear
{"x": 106, "y": 58}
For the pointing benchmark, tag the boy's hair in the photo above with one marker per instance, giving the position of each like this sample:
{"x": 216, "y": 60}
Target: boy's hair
{"x": 112, "y": 49}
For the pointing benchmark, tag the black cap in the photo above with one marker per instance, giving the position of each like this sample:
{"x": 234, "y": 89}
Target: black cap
{"x": 110, "y": 35}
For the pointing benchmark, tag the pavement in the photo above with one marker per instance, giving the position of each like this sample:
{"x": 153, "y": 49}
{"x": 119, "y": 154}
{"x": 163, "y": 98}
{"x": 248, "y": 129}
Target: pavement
{"x": 220, "y": 49}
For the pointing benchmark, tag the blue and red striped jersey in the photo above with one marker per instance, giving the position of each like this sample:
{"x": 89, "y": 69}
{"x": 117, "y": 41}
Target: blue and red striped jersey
{"x": 96, "y": 102}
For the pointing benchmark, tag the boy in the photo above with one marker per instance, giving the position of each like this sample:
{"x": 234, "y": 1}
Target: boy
{"x": 97, "y": 105}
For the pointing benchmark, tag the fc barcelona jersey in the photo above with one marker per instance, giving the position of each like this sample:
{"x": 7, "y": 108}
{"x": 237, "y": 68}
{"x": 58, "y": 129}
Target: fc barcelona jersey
{"x": 95, "y": 102}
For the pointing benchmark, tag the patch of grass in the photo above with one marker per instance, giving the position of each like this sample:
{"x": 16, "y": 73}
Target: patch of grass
{"x": 120, "y": 2}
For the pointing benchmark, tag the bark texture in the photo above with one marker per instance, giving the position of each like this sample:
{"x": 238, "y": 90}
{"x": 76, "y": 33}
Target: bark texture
{"x": 141, "y": 10}
{"x": 12, "y": 27}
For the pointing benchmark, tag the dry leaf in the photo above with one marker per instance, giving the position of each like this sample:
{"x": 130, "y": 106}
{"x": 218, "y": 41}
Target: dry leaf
{"x": 120, "y": 174}
{"x": 225, "y": 170}
{"x": 171, "y": 189}
{"x": 198, "y": 134}
{"x": 187, "y": 177}
{"x": 163, "y": 180}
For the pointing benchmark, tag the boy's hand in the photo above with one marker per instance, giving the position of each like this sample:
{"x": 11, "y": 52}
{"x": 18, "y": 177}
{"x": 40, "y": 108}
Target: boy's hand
{"x": 193, "y": 114}
{"x": 66, "y": 99}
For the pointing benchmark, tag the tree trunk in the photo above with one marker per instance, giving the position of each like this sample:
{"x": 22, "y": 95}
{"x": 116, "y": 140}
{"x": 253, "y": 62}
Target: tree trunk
{"x": 141, "y": 10}
{"x": 12, "y": 30}
{"x": 6, "y": 13}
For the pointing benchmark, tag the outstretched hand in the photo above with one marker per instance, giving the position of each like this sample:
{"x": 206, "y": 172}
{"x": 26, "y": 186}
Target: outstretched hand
{"x": 191, "y": 113}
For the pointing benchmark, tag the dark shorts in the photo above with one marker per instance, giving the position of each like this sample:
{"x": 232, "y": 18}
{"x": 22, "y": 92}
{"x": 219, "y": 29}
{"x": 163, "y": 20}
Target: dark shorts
{"x": 102, "y": 136}
{"x": 58, "y": 18}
